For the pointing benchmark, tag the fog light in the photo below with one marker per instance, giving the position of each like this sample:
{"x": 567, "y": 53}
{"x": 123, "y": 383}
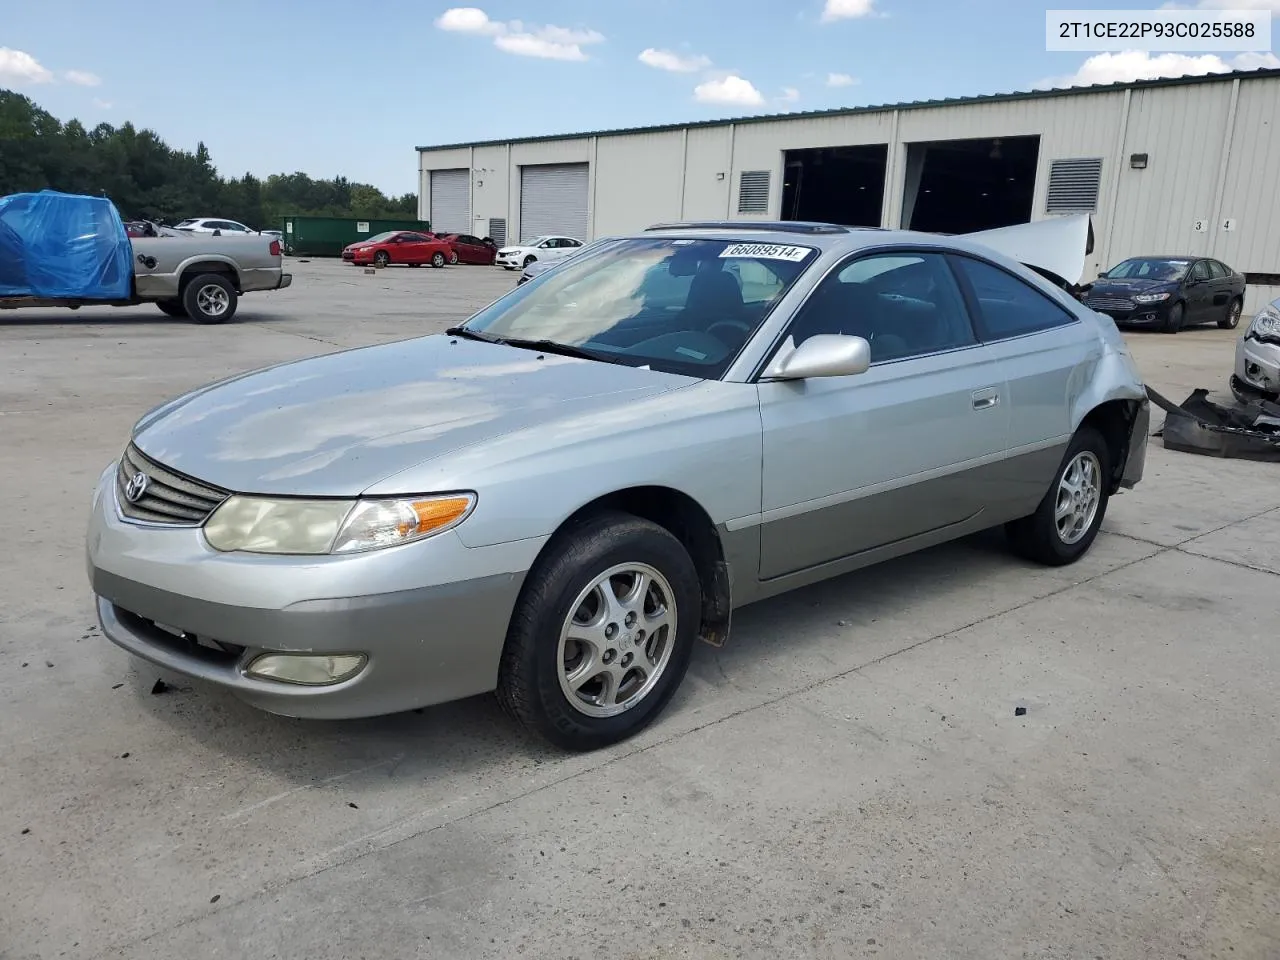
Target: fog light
{"x": 311, "y": 671}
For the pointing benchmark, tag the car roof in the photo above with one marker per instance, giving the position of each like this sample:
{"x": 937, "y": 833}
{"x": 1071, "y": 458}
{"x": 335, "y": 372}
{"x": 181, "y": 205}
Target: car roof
{"x": 824, "y": 236}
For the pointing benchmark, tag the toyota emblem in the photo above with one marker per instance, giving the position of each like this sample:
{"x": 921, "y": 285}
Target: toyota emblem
{"x": 136, "y": 487}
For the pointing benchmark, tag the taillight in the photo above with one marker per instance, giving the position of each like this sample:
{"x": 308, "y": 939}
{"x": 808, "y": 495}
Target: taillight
{"x": 275, "y": 248}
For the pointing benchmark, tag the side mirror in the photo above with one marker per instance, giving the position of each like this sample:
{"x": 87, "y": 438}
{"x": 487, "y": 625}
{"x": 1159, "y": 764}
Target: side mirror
{"x": 822, "y": 355}
{"x": 217, "y": 233}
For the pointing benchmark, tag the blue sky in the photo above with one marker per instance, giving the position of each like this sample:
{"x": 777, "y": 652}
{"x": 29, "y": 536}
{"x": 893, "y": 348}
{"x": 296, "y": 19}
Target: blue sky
{"x": 346, "y": 87}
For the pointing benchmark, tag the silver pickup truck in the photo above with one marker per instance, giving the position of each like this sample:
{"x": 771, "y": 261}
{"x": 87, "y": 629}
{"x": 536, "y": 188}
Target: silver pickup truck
{"x": 196, "y": 275}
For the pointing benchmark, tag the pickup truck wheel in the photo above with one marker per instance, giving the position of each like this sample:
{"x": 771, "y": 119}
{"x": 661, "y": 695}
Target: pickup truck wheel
{"x": 437, "y": 259}
{"x": 209, "y": 298}
{"x": 172, "y": 308}
{"x": 602, "y": 634}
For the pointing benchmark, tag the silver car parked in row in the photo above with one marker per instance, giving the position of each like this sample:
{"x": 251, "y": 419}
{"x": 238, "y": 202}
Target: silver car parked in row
{"x": 557, "y": 498}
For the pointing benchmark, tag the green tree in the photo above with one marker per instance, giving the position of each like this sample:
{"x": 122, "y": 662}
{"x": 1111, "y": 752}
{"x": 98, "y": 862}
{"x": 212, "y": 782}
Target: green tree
{"x": 145, "y": 177}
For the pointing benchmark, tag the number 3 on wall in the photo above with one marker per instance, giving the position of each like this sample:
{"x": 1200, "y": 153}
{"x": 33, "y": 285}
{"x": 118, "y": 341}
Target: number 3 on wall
{"x": 1200, "y": 226}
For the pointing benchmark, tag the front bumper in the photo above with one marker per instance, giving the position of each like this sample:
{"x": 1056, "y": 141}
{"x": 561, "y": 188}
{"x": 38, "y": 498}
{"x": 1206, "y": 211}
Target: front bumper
{"x": 510, "y": 261}
{"x": 1141, "y": 315}
{"x": 431, "y": 617}
{"x": 1258, "y": 366}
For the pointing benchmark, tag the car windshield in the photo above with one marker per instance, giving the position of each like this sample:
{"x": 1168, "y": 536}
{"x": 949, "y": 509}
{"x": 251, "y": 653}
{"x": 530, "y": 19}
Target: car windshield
{"x": 380, "y": 237}
{"x": 1149, "y": 268}
{"x": 532, "y": 243}
{"x": 677, "y": 305}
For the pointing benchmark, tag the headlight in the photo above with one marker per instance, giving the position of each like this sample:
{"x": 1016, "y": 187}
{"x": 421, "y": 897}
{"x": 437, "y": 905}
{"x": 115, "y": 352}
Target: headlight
{"x": 1266, "y": 323}
{"x": 317, "y": 527}
{"x": 1151, "y": 297}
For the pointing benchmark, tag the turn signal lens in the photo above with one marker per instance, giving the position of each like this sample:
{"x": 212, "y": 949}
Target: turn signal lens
{"x": 385, "y": 523}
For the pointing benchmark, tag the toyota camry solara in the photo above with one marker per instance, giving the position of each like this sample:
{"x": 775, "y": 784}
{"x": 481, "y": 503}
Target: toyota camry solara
{"x": 558, "y": 498}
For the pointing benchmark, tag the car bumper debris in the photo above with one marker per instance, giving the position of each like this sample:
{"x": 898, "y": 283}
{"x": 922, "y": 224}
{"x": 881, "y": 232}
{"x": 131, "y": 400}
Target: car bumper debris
{"x": 1243, "y": 430}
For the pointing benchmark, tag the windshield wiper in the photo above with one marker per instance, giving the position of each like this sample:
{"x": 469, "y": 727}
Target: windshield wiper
{"x": 563, "y": 349}
{"x": 472, "y": 335}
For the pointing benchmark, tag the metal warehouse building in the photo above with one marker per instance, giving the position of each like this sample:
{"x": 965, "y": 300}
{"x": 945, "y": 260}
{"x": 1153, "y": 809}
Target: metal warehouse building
{"x": 1179, "y": 166}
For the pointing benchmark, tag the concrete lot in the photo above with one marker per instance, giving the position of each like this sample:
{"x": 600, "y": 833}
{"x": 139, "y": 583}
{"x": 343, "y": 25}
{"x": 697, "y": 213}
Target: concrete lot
{"x": 847, "y": 778}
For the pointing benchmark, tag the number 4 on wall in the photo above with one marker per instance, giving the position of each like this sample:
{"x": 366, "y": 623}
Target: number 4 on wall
{"x": 1229, "y": 224}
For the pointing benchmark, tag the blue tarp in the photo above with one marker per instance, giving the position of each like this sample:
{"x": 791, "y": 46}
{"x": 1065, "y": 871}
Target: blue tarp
{"x": 61, "y": 246}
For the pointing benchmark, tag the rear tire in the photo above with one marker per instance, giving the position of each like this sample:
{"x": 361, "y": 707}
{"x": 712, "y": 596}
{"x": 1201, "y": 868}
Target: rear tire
{"x": 1066, "y": 523}
{"x": 583, "y": 694}
{"x": 1232, "y": 319}
{"x": 1173, "y": 322}
{"x": 209, "y": 298}
{"x": 172, "y": 308}
{"x": 437, "y": 260}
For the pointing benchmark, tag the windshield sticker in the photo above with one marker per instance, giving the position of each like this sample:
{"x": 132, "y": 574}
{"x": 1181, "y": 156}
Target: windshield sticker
{"x": 691, "y": 353}
{"x": 765, "y": 251}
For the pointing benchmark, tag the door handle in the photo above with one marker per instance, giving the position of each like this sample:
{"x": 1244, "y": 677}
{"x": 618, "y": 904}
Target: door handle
{"x": 985, "y": 399}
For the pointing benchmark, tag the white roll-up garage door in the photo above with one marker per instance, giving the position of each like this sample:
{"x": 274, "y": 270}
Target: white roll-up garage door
{"x": 553, "y": 199}
{"x": 451, "y": 201}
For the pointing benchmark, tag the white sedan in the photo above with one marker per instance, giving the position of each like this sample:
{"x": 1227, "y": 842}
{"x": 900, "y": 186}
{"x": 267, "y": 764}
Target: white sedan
{"x": 211, "y": 225}
{"x": 539, "y": 248}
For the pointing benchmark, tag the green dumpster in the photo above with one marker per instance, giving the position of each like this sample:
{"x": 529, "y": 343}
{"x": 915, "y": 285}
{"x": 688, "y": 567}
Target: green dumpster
{"x": 326, "y": 236}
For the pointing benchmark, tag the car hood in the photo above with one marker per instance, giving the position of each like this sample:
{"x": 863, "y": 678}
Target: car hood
{"x": 1127, "y": 287}
{"x": 336, "y": 424}
{"x": 1059, "y": 244}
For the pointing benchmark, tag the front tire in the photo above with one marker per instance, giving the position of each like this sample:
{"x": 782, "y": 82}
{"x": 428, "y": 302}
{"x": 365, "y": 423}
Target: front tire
{"x": 1173, "y": 322}
{"x": 172, "y": 308}
{"x": 602, "y": 633}
{"x": 1232, "y": 319}
{"x": 437, "y": 260}
{"x": 529, "y": 259}
{"x": 453, "y": 258}
{"x": 382, "y": 259}
{"x": 210, "y": 298}
{"x": 1066, "y": 523}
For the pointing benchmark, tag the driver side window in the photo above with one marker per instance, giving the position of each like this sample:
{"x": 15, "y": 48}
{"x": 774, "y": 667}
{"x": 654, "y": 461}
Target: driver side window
{"x": 905, "y": 304}
{"x": 1200, "y": 271}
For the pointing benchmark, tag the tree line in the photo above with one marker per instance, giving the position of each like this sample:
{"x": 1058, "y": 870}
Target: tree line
{"x": 148, "y": 179}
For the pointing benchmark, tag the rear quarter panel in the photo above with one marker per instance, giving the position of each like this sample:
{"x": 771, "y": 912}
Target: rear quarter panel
{"x": 250, "y": 257}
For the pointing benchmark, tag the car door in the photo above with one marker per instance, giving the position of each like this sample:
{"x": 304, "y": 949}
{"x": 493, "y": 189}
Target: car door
{"x": 470, "y": 250}
{"x": 415, "y": 248}
{"x": 1046, "y": 355}
{"x": 905, "y": 449}
{"x": 1220, "y": 285}
{"x": 1199, "y": 289}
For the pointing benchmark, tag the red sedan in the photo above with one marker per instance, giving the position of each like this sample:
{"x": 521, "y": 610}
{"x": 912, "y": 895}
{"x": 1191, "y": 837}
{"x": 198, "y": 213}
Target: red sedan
{"x": 469, "y": 249}
{"x": 399, "y": 246}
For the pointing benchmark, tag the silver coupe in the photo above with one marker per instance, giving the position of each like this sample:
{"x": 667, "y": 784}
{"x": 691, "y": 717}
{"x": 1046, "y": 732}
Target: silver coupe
{"x": 556, "y": 499}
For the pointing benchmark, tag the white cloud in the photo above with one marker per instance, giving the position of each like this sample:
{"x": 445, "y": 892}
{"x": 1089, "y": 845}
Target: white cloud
{"x": 102, "y": 104}
{"x": 730, "y": 89}
{"x": 549, "y": 42}
{"x": 847, "y": 10}
{"x": 17, "y": 66}
{"x": 666, "y": 60}
{"x": 83, "y": 78}
{"x": 468, "y": 20}
{"x": 789, "y": 95}
{"x": 1132, "y": 65}
{"x": 840, "y": 80}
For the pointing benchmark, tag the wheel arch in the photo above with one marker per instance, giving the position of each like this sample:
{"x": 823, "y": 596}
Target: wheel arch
{"x": 685, "y": 519}
{"x": 1114, "y": 419}
{"x": 195, "y": 268}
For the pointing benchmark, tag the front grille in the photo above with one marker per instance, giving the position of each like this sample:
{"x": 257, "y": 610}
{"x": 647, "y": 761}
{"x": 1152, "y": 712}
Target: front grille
{"x": 1108, "y": 303}
{"x": 168, "y": 497}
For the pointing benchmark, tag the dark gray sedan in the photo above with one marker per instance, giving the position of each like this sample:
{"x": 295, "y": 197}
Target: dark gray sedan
{"x": 1169, "y": 293}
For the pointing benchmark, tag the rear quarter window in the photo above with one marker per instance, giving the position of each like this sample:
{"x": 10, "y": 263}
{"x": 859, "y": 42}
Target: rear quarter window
{"x": 1007, "y": 306}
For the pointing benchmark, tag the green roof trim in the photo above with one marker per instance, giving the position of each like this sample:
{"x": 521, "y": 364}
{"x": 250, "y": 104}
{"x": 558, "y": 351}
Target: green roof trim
{"x": 1259, "y": 74}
